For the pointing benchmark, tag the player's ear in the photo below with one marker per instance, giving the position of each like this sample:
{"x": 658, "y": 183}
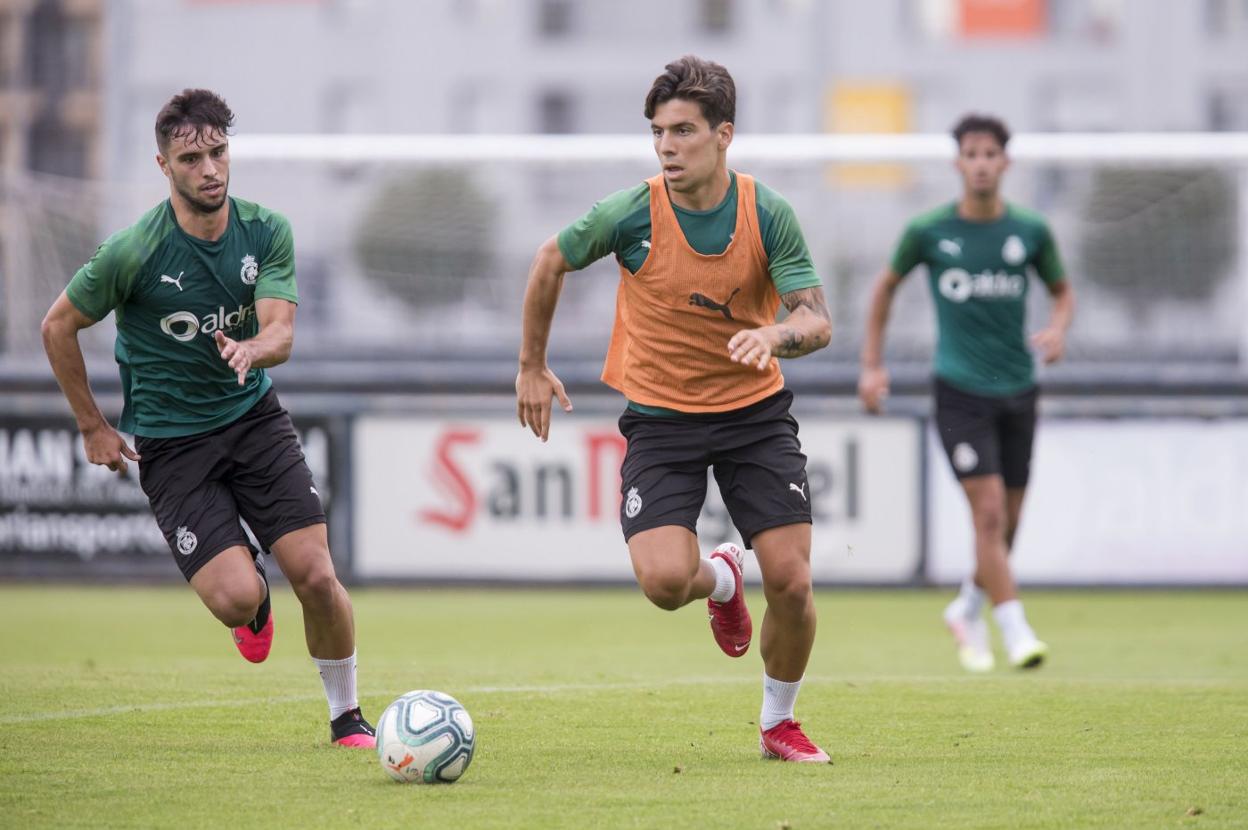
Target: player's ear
{"x": 163, "y": 164}
{"x": 724, "y": 134}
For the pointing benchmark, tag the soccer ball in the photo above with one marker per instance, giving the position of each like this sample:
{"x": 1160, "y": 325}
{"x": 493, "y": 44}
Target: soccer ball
{"x": 425, "y": 737}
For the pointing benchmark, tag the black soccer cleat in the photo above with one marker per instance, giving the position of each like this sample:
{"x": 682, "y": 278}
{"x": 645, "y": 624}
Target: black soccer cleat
{"x": 350, "y": 729}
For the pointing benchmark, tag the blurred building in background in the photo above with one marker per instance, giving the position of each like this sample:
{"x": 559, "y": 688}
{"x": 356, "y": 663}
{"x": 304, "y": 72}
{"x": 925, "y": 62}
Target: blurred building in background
{"x": 430, "y": 259}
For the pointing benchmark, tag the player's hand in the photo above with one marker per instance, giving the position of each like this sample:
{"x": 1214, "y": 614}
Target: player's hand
{"x": 236, "y": 353}
{"x": 752, "y": 347}
{"x": 104, "y": 445}
{"x": 534, "y": 389}
{"x": 1051, "y": 343}
{"x": 873, "y": 389}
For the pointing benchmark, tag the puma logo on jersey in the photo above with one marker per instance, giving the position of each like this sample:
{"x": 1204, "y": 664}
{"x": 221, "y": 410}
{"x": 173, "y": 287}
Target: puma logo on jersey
{"x": 706, "y": 302}
{"x": 801, "y": 491}
{"x": 645, "y": 243}
{"x": 952, "y": 247}
{"x": 178, "y": 282}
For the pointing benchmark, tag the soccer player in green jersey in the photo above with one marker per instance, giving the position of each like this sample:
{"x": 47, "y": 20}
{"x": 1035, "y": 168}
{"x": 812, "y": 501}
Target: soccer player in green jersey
{"x": 706, "y": 257}
{"x": 979, "y": 252}
{"x": 203, "y": 291}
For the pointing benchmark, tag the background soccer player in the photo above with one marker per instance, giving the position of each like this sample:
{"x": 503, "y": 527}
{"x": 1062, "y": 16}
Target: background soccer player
{"x": 203, "y": 288}
{"x": 706, "y": 256}
{"x": 979, "y": 252}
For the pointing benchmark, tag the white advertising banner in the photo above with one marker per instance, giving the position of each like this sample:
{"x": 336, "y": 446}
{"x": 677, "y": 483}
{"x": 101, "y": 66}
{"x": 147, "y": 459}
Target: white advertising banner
{"x": 1115, "y": 501}
{"x": 482, "y": 498}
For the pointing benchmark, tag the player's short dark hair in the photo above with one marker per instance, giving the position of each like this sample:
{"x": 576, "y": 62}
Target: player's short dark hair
{"x": 978, "y": 123}
{"x": 192, "y": 112}
{"x": 704, "y": 82}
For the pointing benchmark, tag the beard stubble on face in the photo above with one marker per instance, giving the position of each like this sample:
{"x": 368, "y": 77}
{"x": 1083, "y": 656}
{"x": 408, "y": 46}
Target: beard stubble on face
{"x": 198, "y": 204}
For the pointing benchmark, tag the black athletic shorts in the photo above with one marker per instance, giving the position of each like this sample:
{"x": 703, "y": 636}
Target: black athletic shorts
{"x": 754, "y": 451}
{"x": 200, "y": 486}
{"x": 985, "y": 435}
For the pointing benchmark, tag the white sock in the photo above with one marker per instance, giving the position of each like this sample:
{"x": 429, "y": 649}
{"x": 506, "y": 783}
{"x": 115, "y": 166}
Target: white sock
{"x": 972, "y": 599}
{"x": 1013, "y": 622}
{"x": 779, "y": 698}
{"x": 338, "y": 678}
{"x": 725, "y": 580}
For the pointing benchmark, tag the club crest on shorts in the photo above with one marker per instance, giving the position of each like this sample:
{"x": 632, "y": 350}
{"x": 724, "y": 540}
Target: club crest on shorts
{"x": 186, "y": 541}
{"x": 632, "y": 504}
{"x": 965, "y": 458}
{"x": 250, "y": 270}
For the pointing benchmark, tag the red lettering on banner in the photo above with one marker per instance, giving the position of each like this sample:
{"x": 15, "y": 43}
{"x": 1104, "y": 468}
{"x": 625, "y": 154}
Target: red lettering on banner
{"x": 596, "y": 444}
{"x": 453, "y": 481}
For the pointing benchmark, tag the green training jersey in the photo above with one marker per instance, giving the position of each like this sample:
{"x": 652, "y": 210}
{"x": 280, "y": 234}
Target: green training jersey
{"x": 978, "y": 273}
{"x": 170, "y": 292}
{"x": 620, "y": 225}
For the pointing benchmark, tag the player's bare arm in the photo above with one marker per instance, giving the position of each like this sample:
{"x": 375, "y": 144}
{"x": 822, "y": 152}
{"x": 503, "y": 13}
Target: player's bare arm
{"x": 270, "y": 347}
{"x": 873, "y": 378}
{"x": 103, "y": 444}
{"x": 1051, "y": 340}
{"x": 536, "y": 384}
{"x": 808, "y": 328}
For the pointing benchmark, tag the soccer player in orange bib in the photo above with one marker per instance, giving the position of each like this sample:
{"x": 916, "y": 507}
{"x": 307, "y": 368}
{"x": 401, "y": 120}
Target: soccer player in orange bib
{"x": 706, "y": 255}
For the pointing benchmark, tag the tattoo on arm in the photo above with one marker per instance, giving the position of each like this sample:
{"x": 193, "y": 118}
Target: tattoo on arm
{"x": 793, "y": 342}
{"x": 811, "y": 298}
{"x": 790, "y": 343}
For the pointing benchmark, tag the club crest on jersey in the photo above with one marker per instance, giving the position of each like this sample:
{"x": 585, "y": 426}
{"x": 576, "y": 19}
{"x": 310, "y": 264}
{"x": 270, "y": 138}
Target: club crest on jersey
{"x": 186, "y": 541}
{"x": 250, "y": 270}
{"x": 632, "y": 505}
{"x": 1014, "y": 251}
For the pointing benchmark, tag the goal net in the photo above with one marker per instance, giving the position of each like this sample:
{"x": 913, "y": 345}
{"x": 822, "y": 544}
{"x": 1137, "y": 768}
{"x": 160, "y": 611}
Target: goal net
{"x": 419, "y": 246}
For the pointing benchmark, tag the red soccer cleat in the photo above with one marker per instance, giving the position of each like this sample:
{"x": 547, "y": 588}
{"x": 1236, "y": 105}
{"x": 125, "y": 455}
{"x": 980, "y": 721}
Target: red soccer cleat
{"x": 730, "y": 621}
{"x": 787, "y": 742}
{"x": 256, "y": 638}
{"x": 255, "y": 646}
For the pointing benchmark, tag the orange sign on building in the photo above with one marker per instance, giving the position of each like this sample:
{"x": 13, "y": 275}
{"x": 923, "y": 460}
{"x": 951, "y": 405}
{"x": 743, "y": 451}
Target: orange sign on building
{"x": 1001, "y": 18}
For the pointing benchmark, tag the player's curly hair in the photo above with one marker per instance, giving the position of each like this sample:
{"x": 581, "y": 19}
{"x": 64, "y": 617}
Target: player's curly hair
{"x": 192, "y": 112}
{"x": 704, "y": 82}
{"x": 979, "y": 123}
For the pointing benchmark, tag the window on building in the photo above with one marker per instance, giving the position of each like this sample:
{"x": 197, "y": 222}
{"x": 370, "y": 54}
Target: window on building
{"x": 716, "y": 16}
{"x": 554, "y": 17}
{"x": 1226, "y": 18}
{"x": 555, "y": 112}
{"x": 56, "y": 149}
{"x": 1226, "y": 109}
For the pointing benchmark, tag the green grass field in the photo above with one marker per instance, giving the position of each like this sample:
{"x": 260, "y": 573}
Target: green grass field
{"x": 130, "y": 708}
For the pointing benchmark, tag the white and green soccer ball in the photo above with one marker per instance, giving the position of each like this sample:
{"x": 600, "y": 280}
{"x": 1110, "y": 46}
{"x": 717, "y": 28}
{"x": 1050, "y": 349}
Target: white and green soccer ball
{"x": 425, "y": 737}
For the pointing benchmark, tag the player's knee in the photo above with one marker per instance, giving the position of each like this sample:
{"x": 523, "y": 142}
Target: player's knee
{"x": 666, "y": 589}
{"x": 317, "y": 587}
{"x": 990, "y": 520}
{"x": 234, "y": 607}
{"x": 790, "y": 595}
